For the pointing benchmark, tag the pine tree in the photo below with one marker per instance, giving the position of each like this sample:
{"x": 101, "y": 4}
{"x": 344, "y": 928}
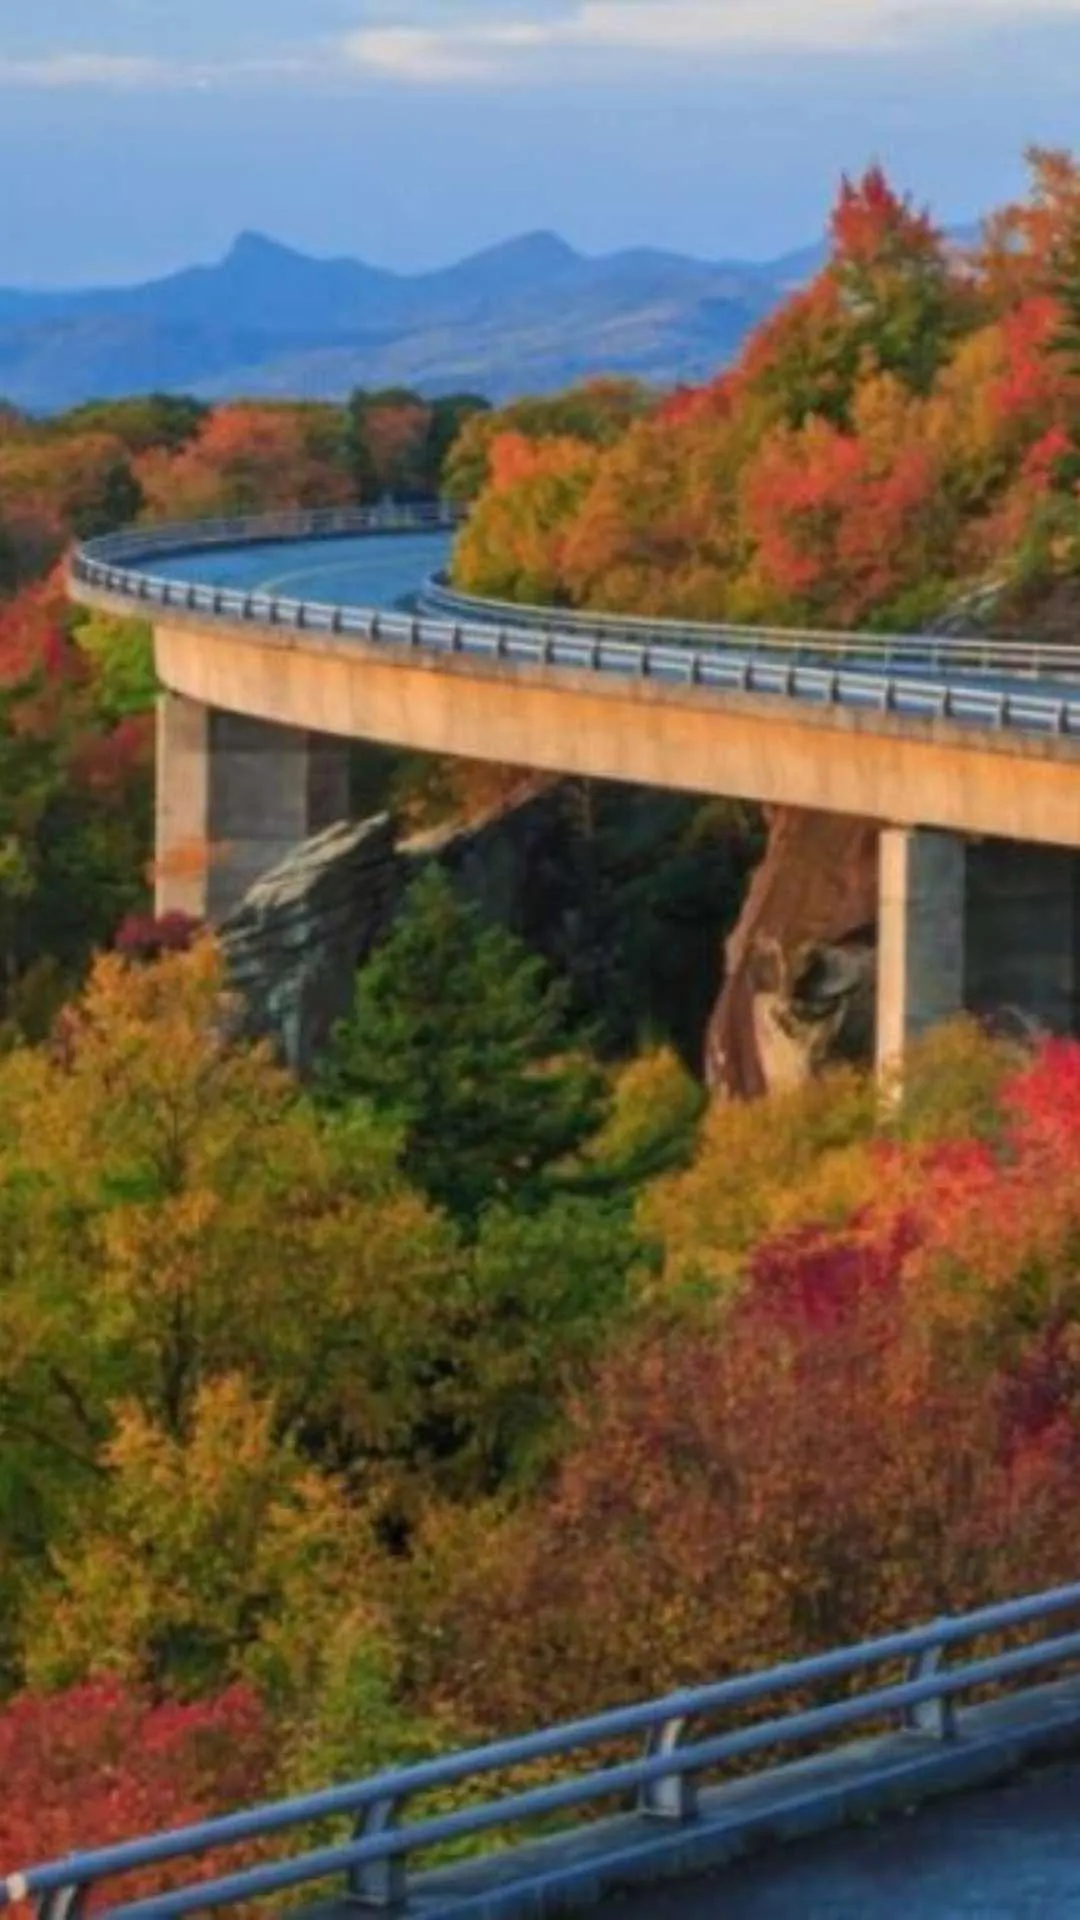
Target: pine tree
{"x": 456, "y": 1034}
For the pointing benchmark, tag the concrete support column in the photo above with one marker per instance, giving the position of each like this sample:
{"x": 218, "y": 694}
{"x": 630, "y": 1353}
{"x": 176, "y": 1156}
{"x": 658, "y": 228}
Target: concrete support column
{"x": 235, "y": 796}
{"x": 182, "y": 808}
{"x": 921, "y": 936}
{"x": 1023, "y": 944}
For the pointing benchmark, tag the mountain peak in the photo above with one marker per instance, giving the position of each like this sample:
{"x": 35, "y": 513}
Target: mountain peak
{"x": 539, "y": 251}
{"x": 258, "y": 249}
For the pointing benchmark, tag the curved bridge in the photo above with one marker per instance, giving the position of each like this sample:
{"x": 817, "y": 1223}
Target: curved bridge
{"x": 276, "y": 639}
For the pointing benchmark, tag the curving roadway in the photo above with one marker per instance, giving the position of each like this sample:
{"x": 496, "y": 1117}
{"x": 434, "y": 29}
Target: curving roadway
{"x": 334, "y": 623}
{"x": 306, "y": 579}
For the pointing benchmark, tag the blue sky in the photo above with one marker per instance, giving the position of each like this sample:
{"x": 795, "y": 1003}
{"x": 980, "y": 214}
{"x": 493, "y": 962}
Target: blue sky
{"x": 140, "y": 134}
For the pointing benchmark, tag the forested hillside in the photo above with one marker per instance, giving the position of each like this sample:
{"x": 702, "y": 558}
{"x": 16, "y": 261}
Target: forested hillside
{"x": 905, "y": 426}
{"x": 77, "y": 690}
{"x": 493, "y": 1374}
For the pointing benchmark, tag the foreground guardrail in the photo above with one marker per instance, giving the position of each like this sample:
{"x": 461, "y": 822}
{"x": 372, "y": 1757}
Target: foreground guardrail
{"x": 661, "y": 1783}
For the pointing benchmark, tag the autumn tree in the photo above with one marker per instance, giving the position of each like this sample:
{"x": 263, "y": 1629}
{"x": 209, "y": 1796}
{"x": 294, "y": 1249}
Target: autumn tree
{"x": 895, "y": 280}
{"x": 864, "y": 1409}
{"x": 141, "y": 422}
{"x": 397, "y": 442}
{"x": 513, "y": 543}
{"x": 186, "y": 1190}
{"x": 98, "y": 1764}
{"x": 74, "y": 809}
{"x": 206, "y": 1557}
{"x": 52, "y": 488}
{"x": 597, "y": 413}
{"x": 121, "y": 653}
{"x": 250, "y": 459}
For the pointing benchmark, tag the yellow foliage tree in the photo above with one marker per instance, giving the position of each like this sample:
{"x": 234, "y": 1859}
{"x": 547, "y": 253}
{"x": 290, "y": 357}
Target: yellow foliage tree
{"x": 174, "y": 1209}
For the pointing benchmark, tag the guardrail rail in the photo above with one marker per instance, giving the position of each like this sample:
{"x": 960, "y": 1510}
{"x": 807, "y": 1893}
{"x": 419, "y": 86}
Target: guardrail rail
{"x": 1011, "y": 685}
{"x": 683, "y": 1737}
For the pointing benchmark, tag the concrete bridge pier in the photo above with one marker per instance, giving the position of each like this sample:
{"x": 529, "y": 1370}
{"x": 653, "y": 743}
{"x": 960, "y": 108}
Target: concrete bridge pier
{"x": 234, "y": 796}
{"x": 921, "y": 936}
{"x": 981, "y": 926}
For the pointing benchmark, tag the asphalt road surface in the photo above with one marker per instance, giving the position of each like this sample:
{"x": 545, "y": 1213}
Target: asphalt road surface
{"x": 366, "y": 572}
{"x": 1008, "y": 1853}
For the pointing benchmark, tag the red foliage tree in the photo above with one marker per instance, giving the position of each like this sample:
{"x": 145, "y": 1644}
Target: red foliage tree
{"x": 98, "y": 1765}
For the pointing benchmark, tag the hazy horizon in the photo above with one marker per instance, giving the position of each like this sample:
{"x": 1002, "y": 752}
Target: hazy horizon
{"x": 409, "y": 133}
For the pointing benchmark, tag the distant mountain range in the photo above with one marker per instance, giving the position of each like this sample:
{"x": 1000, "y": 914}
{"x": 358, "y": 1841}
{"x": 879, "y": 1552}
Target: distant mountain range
{"x": 266, "y": 321}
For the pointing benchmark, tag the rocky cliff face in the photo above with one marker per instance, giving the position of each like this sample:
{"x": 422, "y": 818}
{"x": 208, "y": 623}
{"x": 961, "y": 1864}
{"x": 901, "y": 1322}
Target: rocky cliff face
{"x": 293, "y": 945}
{"x": 799, "y": 987}
{"x": 801, "y": 964}
{"x": 628, "y": 895}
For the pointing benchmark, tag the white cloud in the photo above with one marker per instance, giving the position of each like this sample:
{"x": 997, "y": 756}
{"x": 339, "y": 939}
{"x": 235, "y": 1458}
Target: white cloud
{"x": 476, "y": 47}
{"x": 132, "y": 73}
{"x": 431, "y": 56}
{"x": 81, "y": 70}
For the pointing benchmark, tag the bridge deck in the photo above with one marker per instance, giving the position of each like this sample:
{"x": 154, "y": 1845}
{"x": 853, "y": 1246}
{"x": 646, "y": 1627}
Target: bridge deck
{"x": 1007, "y": 1853}
{"x": 356, "y": 571}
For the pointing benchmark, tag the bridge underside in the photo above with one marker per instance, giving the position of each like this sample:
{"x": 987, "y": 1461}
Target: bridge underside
{"x": 966, "y": 922}
{"x": 990, "y": 927}
{"x": 644, "y": 731}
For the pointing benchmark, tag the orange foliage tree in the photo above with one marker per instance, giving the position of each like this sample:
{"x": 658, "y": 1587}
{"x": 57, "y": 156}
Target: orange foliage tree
{"x": 250, "y": 459}
{"x": 902, "y": 427}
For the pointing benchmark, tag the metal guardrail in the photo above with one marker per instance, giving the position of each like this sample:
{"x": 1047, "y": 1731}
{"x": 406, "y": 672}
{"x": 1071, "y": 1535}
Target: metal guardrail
{"x": 189, "y": 536}
{"x": 919, "y": 679}
{"x": 661, "y": 1782}
{"x": 1007, "y": 654}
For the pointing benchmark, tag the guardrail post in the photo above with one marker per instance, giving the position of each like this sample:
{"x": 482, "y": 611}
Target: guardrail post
{"x": 67, "y": 1903}
{"x": 935, "y": 1717}
{"x": 380, "y": 1883}
{"x": 674, "y": 1795}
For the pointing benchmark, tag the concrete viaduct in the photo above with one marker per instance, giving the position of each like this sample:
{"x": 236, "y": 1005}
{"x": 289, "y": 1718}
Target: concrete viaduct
{"x": 967, "y": 753}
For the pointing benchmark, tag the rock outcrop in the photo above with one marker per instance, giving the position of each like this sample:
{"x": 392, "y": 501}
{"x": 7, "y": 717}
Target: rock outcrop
{"x": 628, "y": 896}
{"x": 293, "y": 945}
{"x": 801, "y": 964}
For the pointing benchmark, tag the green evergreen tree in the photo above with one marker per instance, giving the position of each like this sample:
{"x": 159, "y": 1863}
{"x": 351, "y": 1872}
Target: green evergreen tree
{"x": 358, "y": 455}
{"x": 458, "y": 1037}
